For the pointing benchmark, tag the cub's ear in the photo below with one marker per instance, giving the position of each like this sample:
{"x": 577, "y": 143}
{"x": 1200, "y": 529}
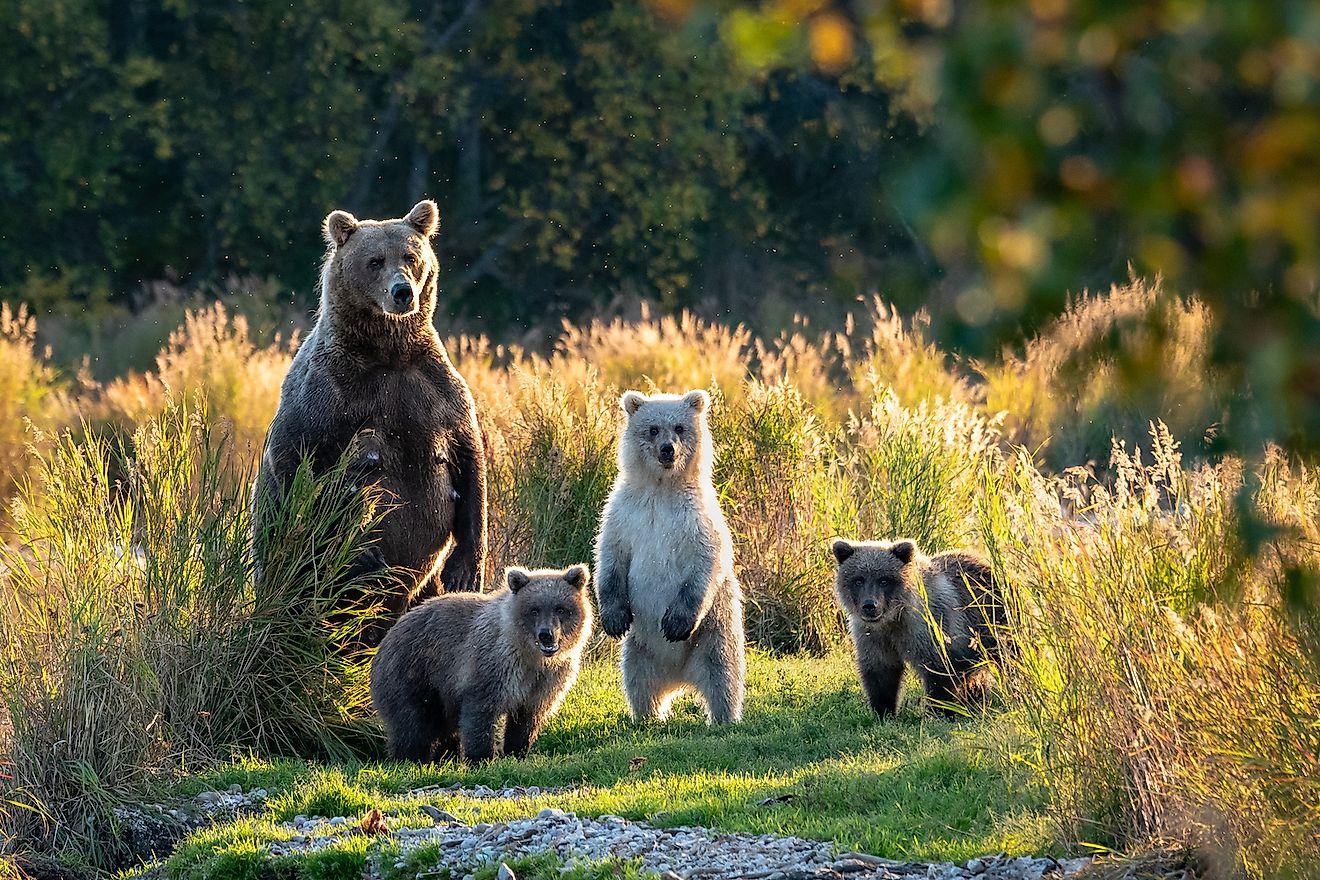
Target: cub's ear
{"x": 698, "y": 400}
{"x": 632, "y": 401}
{"x": 904, "y": 551}
{"x": 517, "y": 577}
{"x": 842, "y": 550}
{"x": 577, "y": 576}
{"x": 424, "y": 217}
{"x": 338, "y": 226}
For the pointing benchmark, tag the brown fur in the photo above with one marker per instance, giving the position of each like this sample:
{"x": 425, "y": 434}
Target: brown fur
{"x": 373, "y": 375}
{"x": 459, "y": 669}
{"x": 947, "y": 638}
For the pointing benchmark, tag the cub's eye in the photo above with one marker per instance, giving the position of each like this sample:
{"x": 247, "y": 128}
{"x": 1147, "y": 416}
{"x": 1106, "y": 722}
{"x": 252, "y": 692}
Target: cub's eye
{"x": 410, "y": 260}
{"x": 678, "y": 429}
{"x": 376, "y": 263}
{"x": 561, "y": 610}
{"x": 858, "y": 583}
{"x": 654, "y": 431}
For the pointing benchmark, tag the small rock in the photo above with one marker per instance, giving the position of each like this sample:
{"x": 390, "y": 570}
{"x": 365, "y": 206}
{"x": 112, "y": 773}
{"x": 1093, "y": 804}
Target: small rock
{"x": 437, "y": 815}
{"x": 338, "y": 820}
{"x": 209, "y": 797}
{"x": 505, "y": 873}
{"x": 550, "y": 813}
{"x": 235, "y": 789}
{"x": 259, "y": 794}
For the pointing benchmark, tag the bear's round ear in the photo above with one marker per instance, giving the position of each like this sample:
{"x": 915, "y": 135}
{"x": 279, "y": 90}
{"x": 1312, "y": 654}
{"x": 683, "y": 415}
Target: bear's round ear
{"x": 517, "y": 577}
{"x": 338, "y": 226}
{"x": 842, "y": 550}
{"x": 424, "y": 217}
{"x": 904, "y": 551}
{"x": 632, "y": 401}
{"x": 577, "y": 576}
{"x": 698, "y": 400}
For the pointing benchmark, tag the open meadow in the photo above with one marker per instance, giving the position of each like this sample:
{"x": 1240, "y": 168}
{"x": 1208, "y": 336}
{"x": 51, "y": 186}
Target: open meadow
{"x": 1163, "y": 695}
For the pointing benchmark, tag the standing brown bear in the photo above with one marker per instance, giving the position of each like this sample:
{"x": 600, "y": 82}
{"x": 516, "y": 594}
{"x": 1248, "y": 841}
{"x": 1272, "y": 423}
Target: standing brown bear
{"x": 459, "y": 671}
{"x": 373, "y": 374}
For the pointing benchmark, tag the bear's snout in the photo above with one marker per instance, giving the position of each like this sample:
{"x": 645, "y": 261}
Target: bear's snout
{"x": 870, "y": 611}
{"x": 667, "y": 455}
{"x": 545, "y": 640}
{"x": 401, "y": 297}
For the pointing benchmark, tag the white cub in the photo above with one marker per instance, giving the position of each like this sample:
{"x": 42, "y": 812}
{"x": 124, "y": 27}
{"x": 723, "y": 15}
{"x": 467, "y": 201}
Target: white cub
{"x": 664, "y": 563}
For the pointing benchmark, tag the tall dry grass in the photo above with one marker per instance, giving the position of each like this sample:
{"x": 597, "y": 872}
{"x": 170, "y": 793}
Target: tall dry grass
{"x": 1105, "y": 368}
{"x": 213, "y": 355}
{"x": 1175, "y": 693}
{"x": 33, "y": 402}
{"x": 132, "y": 644}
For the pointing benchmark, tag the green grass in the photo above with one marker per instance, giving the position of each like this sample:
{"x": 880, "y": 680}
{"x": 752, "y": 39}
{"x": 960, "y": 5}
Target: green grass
{"x": 909, "y": 787}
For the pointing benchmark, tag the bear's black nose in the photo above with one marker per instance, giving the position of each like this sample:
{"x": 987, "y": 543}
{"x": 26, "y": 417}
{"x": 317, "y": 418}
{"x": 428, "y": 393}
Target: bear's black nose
{"x": 402, "y": 293}
{"x": 667, "y": 453}
{"x": 868, "y": 608}
{"x": 545, "y": 637}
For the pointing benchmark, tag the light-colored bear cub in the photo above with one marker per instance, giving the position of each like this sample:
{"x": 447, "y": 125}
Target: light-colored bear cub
{"x": 664, "y": 563}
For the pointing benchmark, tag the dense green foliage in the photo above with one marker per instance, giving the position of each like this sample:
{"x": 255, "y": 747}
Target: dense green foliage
{"x": 578, "y": 149}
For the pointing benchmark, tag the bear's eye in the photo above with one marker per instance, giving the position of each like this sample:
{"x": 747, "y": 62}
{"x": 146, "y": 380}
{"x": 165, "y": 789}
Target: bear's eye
{"x": 678, "y": 429}
{"x": 410, "y": 260}
{"x": 654, "y": 431}
{"x": 560, "y": 610}
{"x": 858, "y": 583}
{"x": 376, "y": 263}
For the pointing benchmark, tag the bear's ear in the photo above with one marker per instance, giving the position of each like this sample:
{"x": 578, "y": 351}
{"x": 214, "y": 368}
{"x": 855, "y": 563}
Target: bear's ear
{"x": 904, "y": 551}
{"x": 338, "y": 226}
{"x": 517, "y": 577}
{"x": 577, "y": 576}
{"x": 842, "y": 550}
{"x": 424, "y": 217}
{"x": 698, "y": 400}
{"x": 632, "y": 401}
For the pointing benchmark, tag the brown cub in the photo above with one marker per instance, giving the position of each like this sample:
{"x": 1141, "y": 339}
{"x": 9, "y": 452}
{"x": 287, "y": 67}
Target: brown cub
{"x": 460, "y": 668}
{"x": 947, "y": 638}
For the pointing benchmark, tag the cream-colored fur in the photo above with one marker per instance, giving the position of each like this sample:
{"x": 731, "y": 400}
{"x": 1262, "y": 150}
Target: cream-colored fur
{"x": 664, "y": 562}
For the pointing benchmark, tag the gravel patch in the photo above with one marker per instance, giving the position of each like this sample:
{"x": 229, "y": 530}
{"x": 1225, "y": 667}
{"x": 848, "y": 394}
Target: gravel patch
{"x": 669, "y": 853}
{"x": 153, "y": 829}
{"x": 485, "y": 792}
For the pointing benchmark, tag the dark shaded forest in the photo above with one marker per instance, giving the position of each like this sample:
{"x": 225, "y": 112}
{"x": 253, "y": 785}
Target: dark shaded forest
{"x": 746, "y": 161}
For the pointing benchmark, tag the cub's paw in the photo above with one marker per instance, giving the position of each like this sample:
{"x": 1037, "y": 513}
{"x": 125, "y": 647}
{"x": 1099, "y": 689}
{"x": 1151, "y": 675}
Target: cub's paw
{"x": 677, "y": 625}
{"x": 615, "y": 619}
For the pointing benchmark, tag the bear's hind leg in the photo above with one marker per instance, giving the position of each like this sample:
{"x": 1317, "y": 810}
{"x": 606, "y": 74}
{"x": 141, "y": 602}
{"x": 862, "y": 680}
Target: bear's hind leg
{"x": 649, "y": 687}
{"x": 718, "y": 671}
{"x": 412, "y": 734}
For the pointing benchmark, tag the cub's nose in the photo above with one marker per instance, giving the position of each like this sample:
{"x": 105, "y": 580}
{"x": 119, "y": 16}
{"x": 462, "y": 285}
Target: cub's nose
{"x": 868, "y": 608}
{"x": 546, "y": 640}
{"x": 402, "y": 293}
{"x": 667, "y": 453}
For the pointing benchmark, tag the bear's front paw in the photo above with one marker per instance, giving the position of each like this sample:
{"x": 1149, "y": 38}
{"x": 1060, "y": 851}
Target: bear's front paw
{"x": 615, "y": 620}
{"x": 678, "y": 625}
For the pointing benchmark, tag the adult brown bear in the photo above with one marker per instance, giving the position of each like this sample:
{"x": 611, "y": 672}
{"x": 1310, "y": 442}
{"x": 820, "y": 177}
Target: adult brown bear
{"x": 374, "y": 375}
